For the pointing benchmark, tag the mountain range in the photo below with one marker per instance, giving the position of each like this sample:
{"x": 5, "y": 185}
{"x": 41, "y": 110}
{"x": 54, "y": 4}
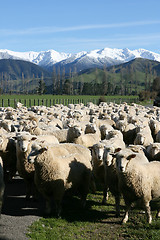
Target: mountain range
{"x": 82, "y": 60}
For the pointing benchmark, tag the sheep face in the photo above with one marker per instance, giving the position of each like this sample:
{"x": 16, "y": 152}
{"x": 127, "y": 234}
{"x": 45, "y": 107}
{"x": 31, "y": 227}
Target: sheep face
{"x": 77, "y": 131}
{"x": 36, "y": 149}
{"x": 155, "y": 150}
{"x": 122, "y": 161}
{"x": 108, "y": 152}
{"x": 99, "y": 151}
{"x": 23, "y": 142}
{"x": 90, "y": 128}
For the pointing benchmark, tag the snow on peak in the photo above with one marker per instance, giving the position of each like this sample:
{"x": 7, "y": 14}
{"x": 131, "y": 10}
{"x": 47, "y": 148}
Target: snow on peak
{"x": 50, "y": 57}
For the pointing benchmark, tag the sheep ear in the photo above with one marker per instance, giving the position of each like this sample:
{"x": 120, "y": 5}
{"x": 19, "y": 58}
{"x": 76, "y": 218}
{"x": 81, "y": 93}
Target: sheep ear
{"x": 131, "y": 156}
{"x": 43, "y": 150}
{"x": 117, "y": 150}
{"x": 15, "y": 138}
{"x": 33, "y": 138}
{"x": 113, "y": 155}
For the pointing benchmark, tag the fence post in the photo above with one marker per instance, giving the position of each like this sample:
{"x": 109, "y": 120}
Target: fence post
{"x": 14, "y": 103}
{"x": 2, "y": 102}
{"x": 30, "y": 102}
{"x": 46, "y": 102}
{"x": 34, "y": 102}
{"x": 8, "y": 102}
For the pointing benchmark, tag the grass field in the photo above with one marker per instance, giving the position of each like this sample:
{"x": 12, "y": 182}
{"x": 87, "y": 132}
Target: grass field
{"x": 48, "y": 100}
{"x": 95, "y": 222}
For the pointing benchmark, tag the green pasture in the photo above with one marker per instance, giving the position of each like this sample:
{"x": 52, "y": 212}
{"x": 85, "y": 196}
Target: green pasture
{"x": 96, "y": 221}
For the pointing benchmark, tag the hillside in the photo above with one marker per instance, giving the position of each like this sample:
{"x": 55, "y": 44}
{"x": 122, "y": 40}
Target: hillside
{"x": 126, "y": 78}
{"x": 15, "y": 68}
{"x": 138, "y": 66}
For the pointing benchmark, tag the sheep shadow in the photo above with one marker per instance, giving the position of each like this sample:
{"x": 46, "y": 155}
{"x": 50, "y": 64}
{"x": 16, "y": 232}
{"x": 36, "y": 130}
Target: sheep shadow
{"x": 15, "y": 203}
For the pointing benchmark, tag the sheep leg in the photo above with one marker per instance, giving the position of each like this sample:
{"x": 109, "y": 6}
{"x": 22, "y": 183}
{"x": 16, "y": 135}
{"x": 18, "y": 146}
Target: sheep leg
{"x": 58, "y": 207}
{"x": 105, "y": 189}
{"x": 117, "y": 200}
{"x": 148, "y": 212}
{"x": 48, "y": 206}
{"x": 158, "y": 213}
{"x": 125, "y": 219}
{"x": 105, "y": 195}
{"x": 28, "y": 190}
{"x": 83, "y": 200}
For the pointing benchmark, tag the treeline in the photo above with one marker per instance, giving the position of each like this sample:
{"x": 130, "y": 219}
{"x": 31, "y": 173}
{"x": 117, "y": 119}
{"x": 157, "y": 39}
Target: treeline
{"x": 116, "y": 80}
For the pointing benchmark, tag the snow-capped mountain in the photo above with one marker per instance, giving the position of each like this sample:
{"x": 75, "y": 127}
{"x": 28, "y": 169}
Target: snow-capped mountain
{"x": 82, "y": 60}
{"x": 43, "y": 58}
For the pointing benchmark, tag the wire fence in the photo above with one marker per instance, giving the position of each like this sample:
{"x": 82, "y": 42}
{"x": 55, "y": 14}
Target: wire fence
{"x": 50, "y": 102}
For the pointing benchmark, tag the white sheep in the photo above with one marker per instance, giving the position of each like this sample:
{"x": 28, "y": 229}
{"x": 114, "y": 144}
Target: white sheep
{"x": 139, "y": 180}
{"x": 98, "y": 167}
{"x": 111, "y": 177}
{"x": 155, "y": 127}
{"x": 25, "y": 169}
{"x": 76, "y": 135}
{"x": 8, "y": 155}
{"x": 2, "y": 185}
{"x": 143, "y": 136}
{"x": 61, "y": 167}
{"x": 153, "y": 151}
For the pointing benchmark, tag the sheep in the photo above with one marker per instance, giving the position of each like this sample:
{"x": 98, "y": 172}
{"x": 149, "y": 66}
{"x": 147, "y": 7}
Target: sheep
{"x": 153, "y": 151}
{"x": 111, "y": 176}
{"x": 138, "y": 149}
{"x": 57, "y": 171}
{"x": 76, "y": 135}
{"x": 143, "y": 136}
{"x": 139, "y": 180}
{"x": 129, "y": 134}
{"x": 8, "y": 155}
{"x": 6, "y": 124}
{"x": 25, "y": 169}
{"x": 104, "y": 130}
{"x": 2, "y": 184}
{"x": 158, "y": 136}
{"x": 155, "y": 127}
{"x": 114, "y": 137}
{"x": 98, "y": 167}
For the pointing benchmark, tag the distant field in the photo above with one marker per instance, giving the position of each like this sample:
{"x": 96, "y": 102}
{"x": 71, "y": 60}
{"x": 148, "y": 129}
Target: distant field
{"x": 49, "y": 100}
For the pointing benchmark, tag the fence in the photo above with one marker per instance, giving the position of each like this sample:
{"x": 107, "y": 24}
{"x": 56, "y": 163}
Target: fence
{"x": 50, "y": 102}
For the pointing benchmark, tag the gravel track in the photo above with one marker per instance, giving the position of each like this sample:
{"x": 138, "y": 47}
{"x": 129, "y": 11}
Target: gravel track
{"x": 17, "y": 213}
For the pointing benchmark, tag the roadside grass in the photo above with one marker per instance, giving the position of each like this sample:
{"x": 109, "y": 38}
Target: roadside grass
{"x": 96, "y": 221}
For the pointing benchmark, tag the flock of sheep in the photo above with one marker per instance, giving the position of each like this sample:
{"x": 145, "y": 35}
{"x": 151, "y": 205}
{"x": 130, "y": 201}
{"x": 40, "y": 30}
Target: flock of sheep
{"x": 72, "y": 148}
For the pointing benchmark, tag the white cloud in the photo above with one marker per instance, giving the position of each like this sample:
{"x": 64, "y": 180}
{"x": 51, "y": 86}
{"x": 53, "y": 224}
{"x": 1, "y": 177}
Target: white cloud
{"x": 43, "y": 30}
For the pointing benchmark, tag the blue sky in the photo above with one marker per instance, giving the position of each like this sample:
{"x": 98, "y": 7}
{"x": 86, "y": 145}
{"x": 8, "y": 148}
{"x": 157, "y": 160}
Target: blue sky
{"x": 73, "y": 26}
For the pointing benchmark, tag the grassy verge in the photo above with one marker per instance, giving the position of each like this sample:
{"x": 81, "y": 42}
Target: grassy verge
{"x": 94, "y": 222}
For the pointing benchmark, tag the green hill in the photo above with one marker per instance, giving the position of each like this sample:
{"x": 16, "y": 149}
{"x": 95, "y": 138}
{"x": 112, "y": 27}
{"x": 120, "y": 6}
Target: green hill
{"x": 17, "y": 75}
{"x": 15, "y": 68}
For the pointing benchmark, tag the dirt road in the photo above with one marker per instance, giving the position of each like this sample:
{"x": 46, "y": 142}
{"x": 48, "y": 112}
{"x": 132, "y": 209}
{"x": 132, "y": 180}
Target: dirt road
{"x": 17, "y": 214}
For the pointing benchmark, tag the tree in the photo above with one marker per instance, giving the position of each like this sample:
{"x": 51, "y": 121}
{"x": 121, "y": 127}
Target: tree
{"x": 41, "y": 86}
{"x": 54, "y": 81}
{"x": 156, "y": 84}
{"x": 67, "y": 88}
{"x": 146, "y": 78}
{"x": 104, "y": 81}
